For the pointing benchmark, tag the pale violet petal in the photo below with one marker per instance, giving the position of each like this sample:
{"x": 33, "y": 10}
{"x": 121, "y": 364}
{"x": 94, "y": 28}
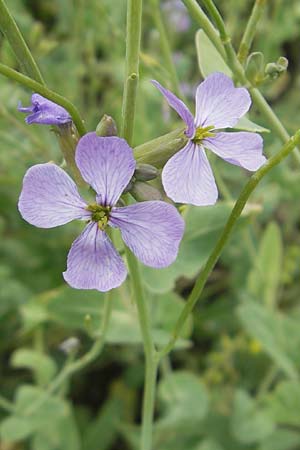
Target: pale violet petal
{"x": 152, "y": 230}
{"x": 187, "y": 177}
{"x": 219, "y": 103}
{"x": 240, "y": 148}
{"x": 50, "y": 197}
{"x": 107, "y": 164}
{"x": 93, "y": 262}
{"x": 181, "y": 109}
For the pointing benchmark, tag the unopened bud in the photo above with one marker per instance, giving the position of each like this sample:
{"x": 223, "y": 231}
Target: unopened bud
{"x": 69, "y": 345}
{"x": 274, "y": 70}
{"x": 143, "y": 191}
{"x": 106, "y": 127}
{"x": 145, "y": 172}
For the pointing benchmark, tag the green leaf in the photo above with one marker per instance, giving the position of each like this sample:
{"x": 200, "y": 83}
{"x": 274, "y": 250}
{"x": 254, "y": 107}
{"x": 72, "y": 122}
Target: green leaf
{"x": 34, "y": 411}
{"x": 281, "y": 439}
{"x": 246, "y": 124}
{"x": 209, "y": 444}
{"x": 58, "y": 435}
{"x": 209, "y": 59}
{"x": 249, "y": 425}
{"x": 14, "y": 428}
{"x": 43, "y": 367}
{"x": 284, "y": 403}
{"x": 279, "y": 335}
{"x": 264, "y": 279}
{"x": 183, "y": 397}
{"x": 124, "y": 326}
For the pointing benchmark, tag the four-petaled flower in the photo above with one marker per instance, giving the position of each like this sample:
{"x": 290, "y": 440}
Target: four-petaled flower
{"x": 152, "y": 230}
{"x": 45, "y": 112}
{"x": 187, "y": 176}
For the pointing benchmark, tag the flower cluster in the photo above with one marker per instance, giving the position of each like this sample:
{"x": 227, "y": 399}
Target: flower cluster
{"x": 151, "y": 229}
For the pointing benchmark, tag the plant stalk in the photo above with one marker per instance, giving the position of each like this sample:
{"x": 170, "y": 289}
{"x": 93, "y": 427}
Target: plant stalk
{"x": 12, "y": 33}
{"x": 226, "y": 234}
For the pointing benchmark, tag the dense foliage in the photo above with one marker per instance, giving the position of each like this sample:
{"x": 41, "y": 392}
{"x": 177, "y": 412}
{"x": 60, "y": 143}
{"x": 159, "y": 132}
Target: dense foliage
{"x": 232, "y": 382}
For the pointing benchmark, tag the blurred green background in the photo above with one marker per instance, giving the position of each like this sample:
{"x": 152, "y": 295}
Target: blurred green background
{"x": 233, "y": 381}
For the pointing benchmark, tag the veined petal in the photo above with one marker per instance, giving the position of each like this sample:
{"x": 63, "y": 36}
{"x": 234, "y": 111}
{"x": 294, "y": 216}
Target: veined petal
{"x": 152, "y": 230}
{"x": 181, "y": 109}
{"x": 50, "y": 197}
{"x": 219, "y": 103}
{"x": 240, "y": 148}
{"x": 187, "y": 177}
{"x": 105, "y": 163}
{"x": 93, "y": 262}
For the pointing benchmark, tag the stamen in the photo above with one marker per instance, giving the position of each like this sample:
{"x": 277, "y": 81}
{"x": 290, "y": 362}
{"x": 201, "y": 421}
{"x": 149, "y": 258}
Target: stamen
{"x": 202, "y": 133}
{"x": 100, "y": 214}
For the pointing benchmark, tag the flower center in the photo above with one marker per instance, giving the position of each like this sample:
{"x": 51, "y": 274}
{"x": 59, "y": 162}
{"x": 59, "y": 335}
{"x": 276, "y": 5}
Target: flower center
{"x": 202, "y": 133}
{"x": 100, "y": 214}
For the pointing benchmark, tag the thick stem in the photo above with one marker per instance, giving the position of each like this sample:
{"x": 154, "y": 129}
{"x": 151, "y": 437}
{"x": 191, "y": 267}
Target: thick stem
{"x": 250, "y": 30}
{"x": 45, "y": 92}
{"x": 12, "y": 33}
{"x": 222, "y": 42}
{"x": 226, "y": 234}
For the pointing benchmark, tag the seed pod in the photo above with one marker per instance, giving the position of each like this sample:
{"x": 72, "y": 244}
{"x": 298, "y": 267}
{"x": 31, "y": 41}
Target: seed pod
{"x": 145, "y": 172}
{"x": 143, "y": 191}
{"x": 106, "y": 127}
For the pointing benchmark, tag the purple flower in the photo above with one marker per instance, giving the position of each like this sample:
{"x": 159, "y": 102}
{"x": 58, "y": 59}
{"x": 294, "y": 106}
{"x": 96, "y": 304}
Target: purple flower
{"x": 187, "y": 177}
{"x": 152, "y": 230}
{"x": 45, "y": 112}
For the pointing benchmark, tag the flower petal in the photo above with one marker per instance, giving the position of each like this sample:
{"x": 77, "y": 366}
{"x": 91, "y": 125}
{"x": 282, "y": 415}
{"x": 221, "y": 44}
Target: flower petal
{"x": 50, "y": 198}
{"x": 152, "y": 230}
{"x": 45, "y": 112}
{"x": 107, "y": 164}
{"x": 93, "y": 262}
{"x": 219, "y": 103}
{"x": 187, "y": 177}
{"x": 241, "y": 148}
{"x": 181, "y": 109}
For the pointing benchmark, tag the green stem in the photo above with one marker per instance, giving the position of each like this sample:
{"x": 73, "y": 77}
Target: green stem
{"x": 250, "y": 30}
{"x": 82, "y": 362}
{"x": 133, "y": 38}
{"x": 149, "y": 349}
{"x": 133, "y": 41}
{"x": 45, "y": 92}
{"x": 198, "y": 14}
{"x": 165, "y": 46}
{"x": 12, "y": 33}
{"x": 223, "y": 44}
{"x": 226, "y": 234}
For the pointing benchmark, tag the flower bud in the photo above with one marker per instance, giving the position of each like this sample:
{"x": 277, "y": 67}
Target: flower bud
{"x": 145, "y": 172}
{"x": 106, "y": 127}
{"x": 274, "y": 70}
{"x": 70, "y": 345}
{"x": 143, "y": 191}
{"x": 158, "y": 151}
